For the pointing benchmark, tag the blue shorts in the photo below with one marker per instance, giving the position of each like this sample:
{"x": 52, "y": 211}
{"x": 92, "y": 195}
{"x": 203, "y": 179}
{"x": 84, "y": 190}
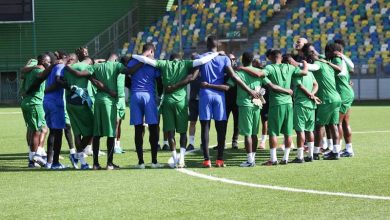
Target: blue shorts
{"x": 143, "y": 104}
{"x": 54, "y": 114}
{"x": 212, "y": 107}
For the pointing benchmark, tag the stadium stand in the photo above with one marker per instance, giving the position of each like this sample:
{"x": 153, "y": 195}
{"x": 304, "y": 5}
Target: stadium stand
{"x": 363, "y": 24}
{"x": 201, "y": 18}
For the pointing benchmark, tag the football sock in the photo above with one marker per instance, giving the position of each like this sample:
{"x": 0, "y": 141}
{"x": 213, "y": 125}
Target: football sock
{"x": 330, "y": 142}
{"x": 174, "y": 156}
{"x": 263, "y": 138}
{"x": 349, "y": 148}
{"x": 31, "y": 155}
{"x": 254, "y": 156}
{"x": 81, "y": 158}
{"x": 286, "y": 153}
{"x": 110, "y": 150}
{"x": 311, "y": 148}
{"x": 95, "y": 149}
{"x": 273, "y": 154}
{"x": 138, "y": 140}
{"x": 221, "y": 136}
{"x": 182, "y": 154}
{"x": 316, "y": 150}
{"x": 192, "y": 140}
{"x": 205, "y": 130}
{"x": 300, "y": 153}
{"x": 336, "y": 148}
{"x": 249, "y": 158}
{"x": 153, "y": 140}
{"x": 324, "y": 143}
{"x": 72, "y": 151}
{"x": 57, "y": 144}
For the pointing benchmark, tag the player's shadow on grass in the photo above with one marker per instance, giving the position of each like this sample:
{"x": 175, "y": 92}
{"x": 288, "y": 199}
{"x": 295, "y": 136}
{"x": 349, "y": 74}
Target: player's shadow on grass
{"x": 14, "y": 156}
{"x": 232, "y": 157}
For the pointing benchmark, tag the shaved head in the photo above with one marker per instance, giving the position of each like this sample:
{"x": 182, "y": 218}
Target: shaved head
{"x": 300, "y": 42}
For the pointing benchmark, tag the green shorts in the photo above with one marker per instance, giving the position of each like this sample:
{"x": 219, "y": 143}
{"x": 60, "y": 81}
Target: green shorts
{"x": 345, "y": 105}
{"x": 304, "y": 118}
{"x": 121, "y": 106}
{"x": 280, "y": 120}
{"x": 34, "y": 116}
{"x": 81, "y": 119}
{"x": 328, "y": 113}
{"x": 105, "y": 113}
{"x": 249, "y": 120}
{"x": 175, "y": 116}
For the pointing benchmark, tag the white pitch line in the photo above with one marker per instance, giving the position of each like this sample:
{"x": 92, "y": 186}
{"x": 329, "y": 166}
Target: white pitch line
{"x": 280, "y": 188}
{"x": 283, "y": 188}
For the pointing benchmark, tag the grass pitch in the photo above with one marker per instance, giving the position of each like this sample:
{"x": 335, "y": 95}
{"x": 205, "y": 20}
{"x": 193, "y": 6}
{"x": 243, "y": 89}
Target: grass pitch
{"x": 168, "y": 194}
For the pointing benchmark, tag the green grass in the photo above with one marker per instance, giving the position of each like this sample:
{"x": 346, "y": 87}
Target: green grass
{"x": 168, "y": 194}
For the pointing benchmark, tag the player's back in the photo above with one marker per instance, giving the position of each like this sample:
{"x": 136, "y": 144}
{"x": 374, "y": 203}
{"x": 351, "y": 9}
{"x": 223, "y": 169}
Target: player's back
{"x": 213, "y": 72}
{"x": 107, "y": 73}
{"x": 57, "y": 94}
{"x": 326, "y": 80}
{"x": 144, "y": 79}
{"x": 35, "y": 97}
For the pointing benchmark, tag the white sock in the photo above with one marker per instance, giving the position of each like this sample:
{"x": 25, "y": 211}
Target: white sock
{"x": 336, "y": 148}
{"x": 316, "y": 150}
{"x": 174, "y": 156}
{"x": 254, "y": 156}
{"x": 263, "y": 138}
{"x": 182, "y": 154}
{"x": 249, "y": 157}
{"x": 31, "y": 155}
{"x": 166, "y": 143}
{"x": 273, "y": 154}
{"x": 192, "y": 140}
{"x": 40, "y": 151}
{"x": 81, "y": 158}
{"x": 300, "y": 153}
{"x": 118, "y": 144}
{"x": 311, "y": 148}
{"x": 349, "y": 148}
{"x": 330, "y": 142}
{"x": 72, "y": 151}
{"x": 286, "y": 153}
{"x": 324, "y": 143}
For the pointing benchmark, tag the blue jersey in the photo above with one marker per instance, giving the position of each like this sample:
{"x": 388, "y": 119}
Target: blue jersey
{"x": 144, "y": 79}
{"x": 213, "y": 73}
{"x": 58, "y": 94}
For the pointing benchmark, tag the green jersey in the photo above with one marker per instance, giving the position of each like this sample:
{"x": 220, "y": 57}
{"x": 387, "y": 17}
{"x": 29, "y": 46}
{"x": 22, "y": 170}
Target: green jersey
{"x": 173, "y": 72}
{"x": 243, "y": 98}
{"x": 342, "y": 81}
{"x": 35, "y": 97}
{"x": 33, "y": 62}
{"x": 300, "y": 98}
{"x": 325, "y": 77}
{"x": 281, "y": 75}
{"x": 121, "y": 85}
{"x": 107, "y": 73}
{"x": 72, "y": 79}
